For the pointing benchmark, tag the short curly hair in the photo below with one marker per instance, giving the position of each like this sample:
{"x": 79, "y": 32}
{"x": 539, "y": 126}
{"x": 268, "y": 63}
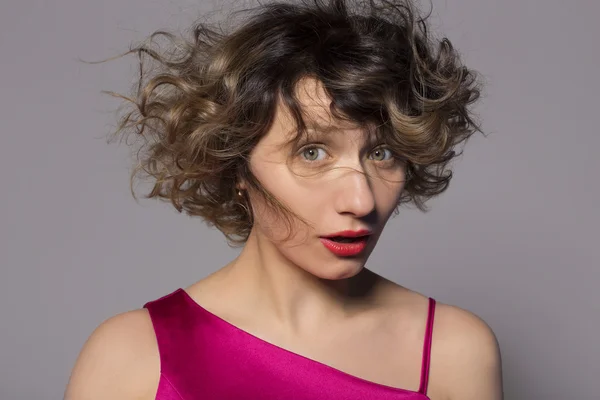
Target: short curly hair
{"x": 209, "y": 99}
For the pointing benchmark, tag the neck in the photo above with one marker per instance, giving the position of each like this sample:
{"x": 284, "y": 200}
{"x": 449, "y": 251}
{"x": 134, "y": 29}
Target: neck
{"x": 275, "y": 288}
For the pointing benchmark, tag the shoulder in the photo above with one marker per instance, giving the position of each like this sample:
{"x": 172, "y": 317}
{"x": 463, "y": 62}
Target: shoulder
{"x": 119, "y": 360}
{"x": 465, "y": 355}
{"x": 456, "y": 331}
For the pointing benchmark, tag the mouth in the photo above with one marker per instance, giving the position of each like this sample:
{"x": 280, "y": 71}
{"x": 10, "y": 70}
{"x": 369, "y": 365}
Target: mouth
{"x": 349, "y": 234}
{"x": 346, "y": 244}
{"x": 346, "y": 239}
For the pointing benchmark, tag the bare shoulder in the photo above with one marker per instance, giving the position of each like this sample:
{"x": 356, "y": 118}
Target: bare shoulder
{"x": 466, "y": 358}
{"x": 119, "y": 360}
{"x": 465, "y": 355}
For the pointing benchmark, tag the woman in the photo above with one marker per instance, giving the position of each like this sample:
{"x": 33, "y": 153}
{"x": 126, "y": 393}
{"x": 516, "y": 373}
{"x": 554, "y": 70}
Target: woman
{"x": 298, "y": 134}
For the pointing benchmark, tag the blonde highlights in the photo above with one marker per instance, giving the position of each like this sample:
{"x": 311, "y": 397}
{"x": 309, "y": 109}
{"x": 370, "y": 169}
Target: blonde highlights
{"x": 201, "y": 104}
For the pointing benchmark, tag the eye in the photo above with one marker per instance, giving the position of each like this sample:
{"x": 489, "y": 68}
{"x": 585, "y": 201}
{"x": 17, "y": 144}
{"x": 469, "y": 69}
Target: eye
{"x": 313, "y": 153}
{"x": 381, "y": 154}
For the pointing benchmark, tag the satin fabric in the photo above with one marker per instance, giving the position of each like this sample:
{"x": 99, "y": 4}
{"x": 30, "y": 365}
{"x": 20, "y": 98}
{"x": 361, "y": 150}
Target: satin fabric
{"x": 205, "y": 357}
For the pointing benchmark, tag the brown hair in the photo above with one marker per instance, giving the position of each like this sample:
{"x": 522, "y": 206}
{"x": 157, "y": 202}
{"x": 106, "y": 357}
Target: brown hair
{"x": 209, "y": 99}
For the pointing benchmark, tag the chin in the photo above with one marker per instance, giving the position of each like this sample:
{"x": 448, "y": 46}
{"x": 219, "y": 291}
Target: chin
{"x": 344, "y": 270}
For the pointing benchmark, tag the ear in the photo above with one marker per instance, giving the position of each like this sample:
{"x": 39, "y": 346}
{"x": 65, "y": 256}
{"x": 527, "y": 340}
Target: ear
{"x": 241, "y": 182}
{"x": 241, "y": 185}
{"x": 242, "y": 179}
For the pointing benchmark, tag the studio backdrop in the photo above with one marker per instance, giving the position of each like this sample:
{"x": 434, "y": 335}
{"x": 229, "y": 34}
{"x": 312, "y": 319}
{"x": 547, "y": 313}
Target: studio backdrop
{"x": 514, "y": 239}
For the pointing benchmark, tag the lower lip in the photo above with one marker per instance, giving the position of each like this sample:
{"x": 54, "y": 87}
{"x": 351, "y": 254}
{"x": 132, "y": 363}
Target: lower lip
{"x": 345, "y": 249}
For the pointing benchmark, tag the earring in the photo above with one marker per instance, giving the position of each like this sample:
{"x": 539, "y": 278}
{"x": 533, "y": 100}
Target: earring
{"x": 241, "y": 201}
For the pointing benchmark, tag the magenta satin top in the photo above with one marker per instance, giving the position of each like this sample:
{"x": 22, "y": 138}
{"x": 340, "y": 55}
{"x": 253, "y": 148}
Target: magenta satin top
{"x": 204, "y": 357}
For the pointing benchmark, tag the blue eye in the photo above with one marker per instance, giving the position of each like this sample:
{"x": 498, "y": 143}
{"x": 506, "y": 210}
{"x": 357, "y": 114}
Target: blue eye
{"x": 313, "y": 154}
{"x": 381, "y": 154}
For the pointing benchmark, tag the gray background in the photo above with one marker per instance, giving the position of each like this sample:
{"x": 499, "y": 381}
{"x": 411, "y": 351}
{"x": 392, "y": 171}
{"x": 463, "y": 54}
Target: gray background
{"x": 515, "y": 238}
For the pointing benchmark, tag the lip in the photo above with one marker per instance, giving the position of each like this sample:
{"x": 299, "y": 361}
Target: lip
{"x": 347, "y": 249}
{"x": 350, "y": 234}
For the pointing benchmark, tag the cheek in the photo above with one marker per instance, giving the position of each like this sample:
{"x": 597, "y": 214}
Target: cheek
{"x": 387, "y": 194}
{"x": 300, "y": 200}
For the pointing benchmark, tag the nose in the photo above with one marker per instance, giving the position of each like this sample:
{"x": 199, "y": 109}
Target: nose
{"x": 354, "y": 194}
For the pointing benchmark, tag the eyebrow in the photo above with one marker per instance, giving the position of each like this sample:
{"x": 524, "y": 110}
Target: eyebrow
{"x": 313, "y": 125}
{"x": 322, "y": 128}
{"x": 325, "y": 129}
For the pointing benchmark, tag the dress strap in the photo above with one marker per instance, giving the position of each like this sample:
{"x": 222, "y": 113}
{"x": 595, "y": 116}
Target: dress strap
{"x": 427, "y": 348}
{"x": 171, "y": 321}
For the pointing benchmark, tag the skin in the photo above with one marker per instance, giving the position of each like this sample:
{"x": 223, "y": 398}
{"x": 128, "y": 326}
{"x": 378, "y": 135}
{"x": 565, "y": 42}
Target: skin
{"x": 291, "y": 291}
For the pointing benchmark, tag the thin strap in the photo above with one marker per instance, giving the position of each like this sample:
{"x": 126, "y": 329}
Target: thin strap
{"x": 427, "y": 348}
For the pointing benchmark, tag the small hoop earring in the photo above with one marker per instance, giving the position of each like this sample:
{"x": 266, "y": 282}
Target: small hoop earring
{"x": 243, "y": 203}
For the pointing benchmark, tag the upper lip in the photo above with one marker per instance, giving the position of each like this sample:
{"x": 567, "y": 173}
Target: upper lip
{"x": 351, "y": 234}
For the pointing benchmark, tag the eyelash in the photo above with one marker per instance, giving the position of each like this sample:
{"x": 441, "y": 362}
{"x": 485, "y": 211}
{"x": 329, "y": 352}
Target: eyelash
{"x": 319, "y": 146}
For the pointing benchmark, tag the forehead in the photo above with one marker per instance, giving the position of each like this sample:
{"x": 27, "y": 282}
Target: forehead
{"x": 315, "y": 104}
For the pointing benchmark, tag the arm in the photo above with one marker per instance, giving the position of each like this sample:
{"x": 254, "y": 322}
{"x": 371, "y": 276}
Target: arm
{"x": 119, "y": 361}
{"x": 473, "y": 367}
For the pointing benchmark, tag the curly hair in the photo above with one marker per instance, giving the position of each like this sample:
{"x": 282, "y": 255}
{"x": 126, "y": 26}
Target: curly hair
{"x": 209, "y": 99}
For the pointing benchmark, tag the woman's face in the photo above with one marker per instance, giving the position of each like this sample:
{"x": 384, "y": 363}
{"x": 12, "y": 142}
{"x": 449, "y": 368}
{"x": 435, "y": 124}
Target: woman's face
{"x": 339, "y": 180}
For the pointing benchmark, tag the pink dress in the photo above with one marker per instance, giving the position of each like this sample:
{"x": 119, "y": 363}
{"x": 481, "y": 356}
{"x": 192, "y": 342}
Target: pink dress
{"x": 204, "y": 357}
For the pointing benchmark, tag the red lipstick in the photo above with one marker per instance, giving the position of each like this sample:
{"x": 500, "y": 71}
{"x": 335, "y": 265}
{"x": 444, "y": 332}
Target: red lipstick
{"x": 346, "y": 243}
